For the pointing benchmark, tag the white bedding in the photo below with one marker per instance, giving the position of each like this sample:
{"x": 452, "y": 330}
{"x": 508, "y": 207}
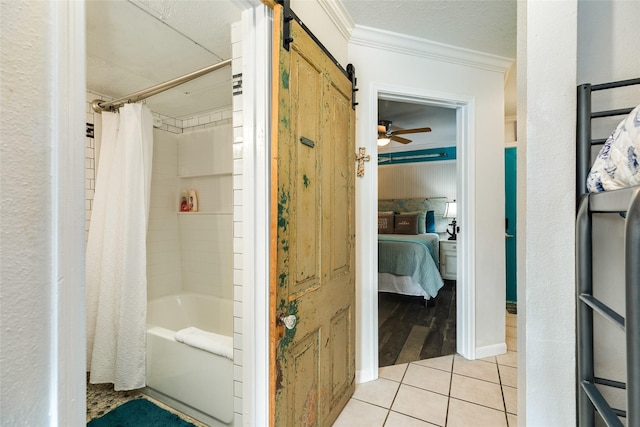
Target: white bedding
{"x": 403, "y": 285}
{"x": 617, "y": 164}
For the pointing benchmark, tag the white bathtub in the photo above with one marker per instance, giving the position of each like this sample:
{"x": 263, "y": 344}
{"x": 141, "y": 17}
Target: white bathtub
{"x": 191, "y": 380}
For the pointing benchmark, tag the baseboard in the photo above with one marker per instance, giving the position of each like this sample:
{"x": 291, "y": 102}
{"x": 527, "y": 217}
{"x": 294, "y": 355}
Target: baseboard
{"x": 364, "y": 376}
{"x": 491, "y": 350}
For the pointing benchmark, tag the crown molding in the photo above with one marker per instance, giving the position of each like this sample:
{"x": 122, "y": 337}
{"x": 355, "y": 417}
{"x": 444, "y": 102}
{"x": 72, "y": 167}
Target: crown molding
{"x": 414, "y": 46}
{"x": 339, "y": 16}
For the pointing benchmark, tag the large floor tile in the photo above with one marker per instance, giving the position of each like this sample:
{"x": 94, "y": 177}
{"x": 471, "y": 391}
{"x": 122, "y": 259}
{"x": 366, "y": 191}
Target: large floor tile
{"x": 513, "y": 420}
{"x": 511, "y": 331}
{"x": 396, "y": 419}
{"x": 477, "y": 391}
{"x": 508, "y": 359}
{"x": 422, "y": 404}
{"x": 379, "y": 392}
{"x": 508, "y": 376}
{"x": 393, "y": 372}
{"x": 428, "y": 378}
{"x": 465, "y": 414}
{"x": 510, "y": 399}
{"x": 512, "y": 344}
{"x": 476, "y": 369}
{"x": 361, "y": 414}
{"x": 444, "y": 363}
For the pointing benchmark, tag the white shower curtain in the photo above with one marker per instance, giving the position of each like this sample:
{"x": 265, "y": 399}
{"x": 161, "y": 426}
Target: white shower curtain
{"x": 116, "y": 250}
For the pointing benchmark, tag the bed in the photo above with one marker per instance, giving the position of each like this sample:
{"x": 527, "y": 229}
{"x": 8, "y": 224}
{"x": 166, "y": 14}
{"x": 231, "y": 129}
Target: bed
{"x": 409, "y": 233}
{"x": 610, "y": 185}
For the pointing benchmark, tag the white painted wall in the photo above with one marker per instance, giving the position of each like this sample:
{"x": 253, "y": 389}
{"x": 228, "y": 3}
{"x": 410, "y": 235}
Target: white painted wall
{"x": 413, "y": 71}
{"x": 42, "y": 209}
{"x": 603, "y": 33}
{"x": 607, "y": 33}
{"x": 327, "y": 24}
{"x": 521, "y": 137}
{"x": 547, "y": 33}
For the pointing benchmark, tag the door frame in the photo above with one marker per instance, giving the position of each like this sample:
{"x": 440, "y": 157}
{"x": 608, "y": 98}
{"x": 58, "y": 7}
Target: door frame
{"x": 465, "y": 171}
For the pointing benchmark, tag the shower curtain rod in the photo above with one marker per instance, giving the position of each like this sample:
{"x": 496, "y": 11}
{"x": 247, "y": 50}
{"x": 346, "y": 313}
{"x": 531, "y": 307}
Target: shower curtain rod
{"x": 99, "y": 106}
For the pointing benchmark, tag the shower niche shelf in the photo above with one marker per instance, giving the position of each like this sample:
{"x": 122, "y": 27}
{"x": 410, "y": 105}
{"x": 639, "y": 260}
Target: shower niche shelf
{"x": 214, "y": 191}
{"x": 204, "y": 213}
{"x": 204, "y": 175}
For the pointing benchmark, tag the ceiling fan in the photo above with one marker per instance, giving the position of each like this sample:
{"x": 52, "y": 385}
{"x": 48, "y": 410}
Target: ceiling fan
{"x": 387, "y": 134}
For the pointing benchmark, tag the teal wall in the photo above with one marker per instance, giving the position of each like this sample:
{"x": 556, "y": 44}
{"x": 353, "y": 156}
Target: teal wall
{"x": 416, "y": 156}
{"x": 510, "y": 207}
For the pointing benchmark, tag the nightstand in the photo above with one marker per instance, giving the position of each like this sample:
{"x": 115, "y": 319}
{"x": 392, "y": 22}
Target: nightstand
{"x": 448, "y": 259}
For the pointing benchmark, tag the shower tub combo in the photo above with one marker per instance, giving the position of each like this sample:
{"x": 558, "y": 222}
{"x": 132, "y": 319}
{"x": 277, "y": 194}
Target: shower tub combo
{"x": 190, "y": 379}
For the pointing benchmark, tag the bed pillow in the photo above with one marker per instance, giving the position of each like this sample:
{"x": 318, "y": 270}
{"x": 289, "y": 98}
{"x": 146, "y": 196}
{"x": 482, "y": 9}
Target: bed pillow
{"x": 385, "y": 222}
{"x": 617, "y": 163}
{"x": 407, "y": 223}
{"x": 422, "y": 220}
{"x": 431, "y": 222}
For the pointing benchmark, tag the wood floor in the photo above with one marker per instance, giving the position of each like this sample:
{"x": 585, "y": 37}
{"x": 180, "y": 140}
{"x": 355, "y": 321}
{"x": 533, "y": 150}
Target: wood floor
{"x": 409, "y": 331}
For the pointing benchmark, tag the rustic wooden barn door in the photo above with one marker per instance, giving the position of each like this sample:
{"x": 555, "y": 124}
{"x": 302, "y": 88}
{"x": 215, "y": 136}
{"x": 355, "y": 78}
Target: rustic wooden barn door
{"x": 312, "y": 256}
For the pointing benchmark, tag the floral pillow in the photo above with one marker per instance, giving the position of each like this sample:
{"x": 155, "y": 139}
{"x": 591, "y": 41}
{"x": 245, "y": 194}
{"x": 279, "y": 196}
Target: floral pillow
{"x": 617, "y": 163}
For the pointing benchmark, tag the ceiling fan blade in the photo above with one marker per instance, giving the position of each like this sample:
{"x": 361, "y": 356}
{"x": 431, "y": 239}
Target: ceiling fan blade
{"x": 400, "y": 139}
{"x": 416, "y": 130}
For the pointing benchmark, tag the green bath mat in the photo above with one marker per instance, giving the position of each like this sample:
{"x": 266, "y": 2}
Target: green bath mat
{"x": 139, "y": 413}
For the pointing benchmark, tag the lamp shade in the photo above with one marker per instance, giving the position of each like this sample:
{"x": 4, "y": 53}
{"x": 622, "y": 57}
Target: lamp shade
{"x": 450, "y": 210}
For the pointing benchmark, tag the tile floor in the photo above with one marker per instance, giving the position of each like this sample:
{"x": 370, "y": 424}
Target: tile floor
{"x": 447, "y": 391}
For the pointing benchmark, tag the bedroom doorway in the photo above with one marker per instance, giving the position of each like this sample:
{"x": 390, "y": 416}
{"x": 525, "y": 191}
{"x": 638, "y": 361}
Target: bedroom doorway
{"x": 464, "y": 107}
{"x": 417, "y": 173}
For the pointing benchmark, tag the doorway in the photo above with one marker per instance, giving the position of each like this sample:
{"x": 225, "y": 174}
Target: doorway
{"x": 465, "y": 304}
{"x": 416, "y": 173}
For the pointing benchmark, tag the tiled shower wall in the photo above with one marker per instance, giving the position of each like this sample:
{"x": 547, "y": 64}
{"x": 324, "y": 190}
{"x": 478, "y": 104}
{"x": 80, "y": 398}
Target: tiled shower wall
{"x": 172, "y": 125}
{"x": 177, "y": 126}
{"x": 238, "y": 277}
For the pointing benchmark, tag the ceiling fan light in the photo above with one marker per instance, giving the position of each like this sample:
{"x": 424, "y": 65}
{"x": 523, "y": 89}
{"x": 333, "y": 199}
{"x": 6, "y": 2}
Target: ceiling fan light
{"x": 383, "y": 141}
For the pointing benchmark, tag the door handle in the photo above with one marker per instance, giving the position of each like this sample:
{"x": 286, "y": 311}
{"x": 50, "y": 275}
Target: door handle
{"x": 289, "y": 321}
{"x": 509, "y": 235}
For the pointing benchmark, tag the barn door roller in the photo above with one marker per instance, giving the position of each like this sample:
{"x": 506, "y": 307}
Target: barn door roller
{"x": 288, "y": 16}
{"x": 286, "y": 26}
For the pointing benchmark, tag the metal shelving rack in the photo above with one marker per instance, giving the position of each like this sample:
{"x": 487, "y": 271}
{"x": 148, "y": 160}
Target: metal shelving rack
{"x": 590, "y": 399}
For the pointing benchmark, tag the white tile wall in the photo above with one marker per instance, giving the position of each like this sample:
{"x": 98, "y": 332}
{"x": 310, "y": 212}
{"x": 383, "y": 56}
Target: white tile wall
{"x": 205, "y": 151}
{"x": 90, "y": 160}
{"x": 206, "y": 248}
{"x": 238, "y": 277}
{"x": 185, "y": 252}
{"x": 164, "y": 270}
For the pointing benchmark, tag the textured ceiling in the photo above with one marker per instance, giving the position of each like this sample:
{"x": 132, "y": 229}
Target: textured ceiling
{"x": 135, "y": 44}
{"x": 483, "y": 25}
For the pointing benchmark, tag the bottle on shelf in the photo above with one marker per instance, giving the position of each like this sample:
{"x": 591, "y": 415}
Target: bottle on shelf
{"x": 184, "y": 203}
{"x": 193, "y": 201}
